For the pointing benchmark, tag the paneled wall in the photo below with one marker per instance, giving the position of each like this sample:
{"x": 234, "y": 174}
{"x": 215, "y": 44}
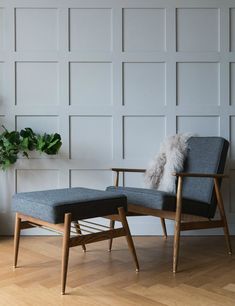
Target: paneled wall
{"x": 113, "y": 78}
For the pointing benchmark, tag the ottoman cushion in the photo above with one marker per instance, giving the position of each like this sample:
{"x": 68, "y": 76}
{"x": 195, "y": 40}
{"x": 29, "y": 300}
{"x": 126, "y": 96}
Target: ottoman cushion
{"x": 82, "y": 203}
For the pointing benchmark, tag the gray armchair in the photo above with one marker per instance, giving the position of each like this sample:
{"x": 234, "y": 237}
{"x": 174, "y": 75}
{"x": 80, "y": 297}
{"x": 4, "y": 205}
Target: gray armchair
{"x": 198, "y": 192}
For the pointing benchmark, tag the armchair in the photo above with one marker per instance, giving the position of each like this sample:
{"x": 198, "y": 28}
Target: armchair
{"x": 198, "y": 193}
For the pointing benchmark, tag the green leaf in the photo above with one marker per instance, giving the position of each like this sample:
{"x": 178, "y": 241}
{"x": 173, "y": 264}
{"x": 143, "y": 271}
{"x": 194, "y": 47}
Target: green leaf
{"x": 25, "y": 143}
{"x": 12, "y": 143}
{"x": 25, "y": 154}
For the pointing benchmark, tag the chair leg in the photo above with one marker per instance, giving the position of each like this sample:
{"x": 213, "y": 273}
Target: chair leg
{"x": 65, "y": 251}
{"x": 164, "y": 227}
{"x": 16, "y": 239}
{"x": 223, "y": 216}
{"x": 130, "y": 242}
{"x": 78, "y": 230}
{"x": 111, "y": 226}
{"x": 177, "y": 225}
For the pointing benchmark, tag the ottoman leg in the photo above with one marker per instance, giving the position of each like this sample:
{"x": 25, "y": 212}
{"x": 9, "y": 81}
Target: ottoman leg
{"x": 65, "y": 251}
{"x": 78, "y": 230}
{"x": 16, "y": 239}
{"x": 164, "y": 227}
{"x": 130, "y": 242}
{"x": 111, "y": 226}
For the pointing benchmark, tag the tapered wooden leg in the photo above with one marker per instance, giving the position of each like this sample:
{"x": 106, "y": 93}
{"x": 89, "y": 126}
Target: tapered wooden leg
{"x": 177, "y": 225}
{"x": 223, "y": 215}
{"x": 78, "y": 230}
{"x": 111, "y": 226}
{"x": 16, "y": 239}
{"x": 130, "y": 242}
{"x": 65, "y": 251}
{"x": 164, "y": 227}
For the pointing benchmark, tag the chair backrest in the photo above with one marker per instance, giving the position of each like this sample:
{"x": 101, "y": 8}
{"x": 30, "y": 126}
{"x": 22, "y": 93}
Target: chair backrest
{"x": 205, "y": 155}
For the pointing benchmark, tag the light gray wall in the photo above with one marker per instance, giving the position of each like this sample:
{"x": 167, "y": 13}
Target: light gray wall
{"x": 113, "y": 78}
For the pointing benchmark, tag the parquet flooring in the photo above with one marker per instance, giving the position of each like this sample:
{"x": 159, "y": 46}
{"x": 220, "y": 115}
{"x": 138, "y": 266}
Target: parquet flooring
{"x": 206, "y": 273}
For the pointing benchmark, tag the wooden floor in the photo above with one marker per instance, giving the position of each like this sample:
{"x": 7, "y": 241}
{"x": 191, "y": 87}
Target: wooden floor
{"x": 206, "y": 273}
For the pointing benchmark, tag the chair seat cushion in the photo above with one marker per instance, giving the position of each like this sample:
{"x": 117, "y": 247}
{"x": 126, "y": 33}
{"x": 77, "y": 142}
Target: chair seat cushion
{"x": 82, "y": 203}
{"x": 154, "y": 199}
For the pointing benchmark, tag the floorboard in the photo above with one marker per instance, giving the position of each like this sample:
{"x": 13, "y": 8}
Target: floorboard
{"x": 206, "y": 273}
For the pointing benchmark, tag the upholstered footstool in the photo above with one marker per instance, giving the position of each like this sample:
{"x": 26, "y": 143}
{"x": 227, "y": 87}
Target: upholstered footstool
{"x": 63, "y": 211}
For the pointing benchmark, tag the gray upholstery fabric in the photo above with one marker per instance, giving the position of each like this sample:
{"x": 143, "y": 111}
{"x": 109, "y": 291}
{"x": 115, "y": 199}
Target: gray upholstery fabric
{"x": 82, "y": 203}
{"x": 205, "y": 155}
{"x": 155, "y": 199}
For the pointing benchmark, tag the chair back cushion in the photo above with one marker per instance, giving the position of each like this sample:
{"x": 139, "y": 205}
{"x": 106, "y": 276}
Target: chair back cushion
{"x": 205, "y": 155}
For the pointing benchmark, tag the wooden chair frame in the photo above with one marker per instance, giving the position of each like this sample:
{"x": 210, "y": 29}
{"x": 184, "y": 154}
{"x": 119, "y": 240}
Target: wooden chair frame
{"x": 183, "y": 222}
{"x": 73, "y": 227}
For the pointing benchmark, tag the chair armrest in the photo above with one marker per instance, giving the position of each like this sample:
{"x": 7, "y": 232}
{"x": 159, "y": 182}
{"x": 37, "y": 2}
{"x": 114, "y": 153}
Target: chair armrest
{"x": 118, "y": 170}
{"x": 202, "y": 175}
{"x": 128, "y": 170}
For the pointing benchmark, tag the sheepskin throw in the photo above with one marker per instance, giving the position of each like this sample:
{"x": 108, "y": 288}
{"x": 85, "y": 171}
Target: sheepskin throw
{"x": 170, "y": 159}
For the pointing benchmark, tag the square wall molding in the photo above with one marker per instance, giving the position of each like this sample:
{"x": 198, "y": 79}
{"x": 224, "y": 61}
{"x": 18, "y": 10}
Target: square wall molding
{"x": 43, "y": 78}
{"x": 36, "y": 29}
{"x": 198, "y": 84}
{"x": 90, "y": 29}
{"x": 198, "y": 29}
{"x": 91, "y": 83}
{"x": 142, "y": 136}
{"x": 144, "y": 29}
{"x": 91, "y": 137}
{"x": 144, "y": 84}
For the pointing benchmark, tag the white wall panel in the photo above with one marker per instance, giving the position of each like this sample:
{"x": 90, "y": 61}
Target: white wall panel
{"x": 2, "y": 118}
{"x": 91, "y": 137}
{"x": 91, "y": 83}
{"x": 201, "y": 126}
{"x": 39, "y": 124}
{"x": 113, "y": 78}
{"x": 36, "y": 83}
{"x": 2, "y": 28}
{"x": 134, "y": 180}
{"x": 197, "y": 29}
{"x": 90, "y": 29}
{"x": 36, "y": 29}
{"x": 198, "y": 83}
{"x": 2, "y": 85}
{"x": 97, "y": 179}
{"x": 4, "y": 192}
{"x": 144, "y": 84}
{"x": 35, "y": 180}
{"x": 141, "y": 143}
{"x": 232, "y": 83}
{"x": 144, "y": 29}
{"x": 232, "y": 29}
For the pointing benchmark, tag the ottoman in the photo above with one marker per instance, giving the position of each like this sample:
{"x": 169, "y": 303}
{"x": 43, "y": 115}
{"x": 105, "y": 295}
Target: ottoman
{"x": 63, "y": 211}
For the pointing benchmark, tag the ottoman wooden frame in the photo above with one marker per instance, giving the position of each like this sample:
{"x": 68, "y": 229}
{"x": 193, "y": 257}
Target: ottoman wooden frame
{"x": 72, "y": 232}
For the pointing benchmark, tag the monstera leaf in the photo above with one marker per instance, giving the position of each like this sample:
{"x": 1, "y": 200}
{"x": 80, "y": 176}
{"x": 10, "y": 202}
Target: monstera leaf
{"x": 29, "y": 139}
{"x": 9, "y": 148}
{"x": 50, "y": 144}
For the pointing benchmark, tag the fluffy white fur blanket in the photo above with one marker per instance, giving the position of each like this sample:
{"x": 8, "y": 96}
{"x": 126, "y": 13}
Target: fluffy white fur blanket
{"x": 170, "y": 159}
